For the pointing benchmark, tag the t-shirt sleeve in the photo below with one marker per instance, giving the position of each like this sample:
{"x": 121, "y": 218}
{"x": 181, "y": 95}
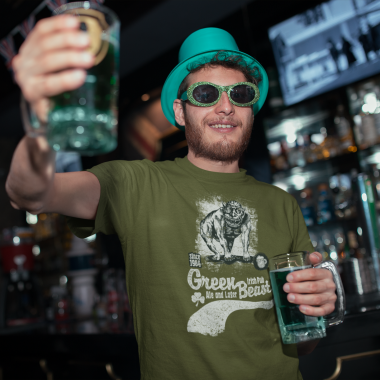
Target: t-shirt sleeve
{"x": 109, "y": 175}
{"x": 301, "y": 238}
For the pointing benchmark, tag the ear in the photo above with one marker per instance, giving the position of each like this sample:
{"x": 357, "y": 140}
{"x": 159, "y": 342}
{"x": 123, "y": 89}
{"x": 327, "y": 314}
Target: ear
{"x": 178, "y": 112}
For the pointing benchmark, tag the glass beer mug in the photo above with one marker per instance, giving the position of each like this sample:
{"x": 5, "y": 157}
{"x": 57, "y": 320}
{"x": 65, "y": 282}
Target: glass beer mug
{"x": 295, "y": 326}
{"x": 85, "y": 120}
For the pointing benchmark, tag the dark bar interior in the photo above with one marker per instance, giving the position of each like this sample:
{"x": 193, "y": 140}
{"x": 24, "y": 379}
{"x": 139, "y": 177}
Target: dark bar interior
{"x": 64, "y": 306}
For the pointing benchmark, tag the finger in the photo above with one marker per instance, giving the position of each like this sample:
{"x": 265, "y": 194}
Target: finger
{"x": 61, "y": 60}
{"x": 48, "y": 26}
{"x": 68, "y": 39}
{"x": 54, "y": 84}
{"x": 315, "y": 258}
{"x": 311, "y": 274}
{"x": 310, "y": 287}
{"x": 312, "y": 299}
{"x": 314, "y": 311}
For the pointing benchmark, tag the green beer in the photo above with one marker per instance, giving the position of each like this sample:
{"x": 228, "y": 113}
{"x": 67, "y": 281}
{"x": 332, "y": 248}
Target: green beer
{"x": 85, "y": 120}
{"x": 294, "y": 325}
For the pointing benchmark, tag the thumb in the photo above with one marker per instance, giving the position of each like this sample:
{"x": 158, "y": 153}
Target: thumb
{"x": 315, "y": 258}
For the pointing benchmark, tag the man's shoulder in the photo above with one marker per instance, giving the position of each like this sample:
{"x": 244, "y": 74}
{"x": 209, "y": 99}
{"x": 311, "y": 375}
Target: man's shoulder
{"x": 121, "y": 168}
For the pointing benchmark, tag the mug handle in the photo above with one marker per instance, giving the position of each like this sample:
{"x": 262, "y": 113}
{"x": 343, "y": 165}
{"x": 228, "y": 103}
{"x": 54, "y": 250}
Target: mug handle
{"x": 33, "y": 127}
{"x": 333, "y": 321}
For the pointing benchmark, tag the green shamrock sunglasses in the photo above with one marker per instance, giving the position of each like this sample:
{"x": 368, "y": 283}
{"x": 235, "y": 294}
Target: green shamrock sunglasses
{"x": 206, "y": 94}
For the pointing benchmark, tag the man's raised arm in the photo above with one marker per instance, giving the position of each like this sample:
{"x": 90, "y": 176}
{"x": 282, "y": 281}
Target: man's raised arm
{"x": 51, "y": 60}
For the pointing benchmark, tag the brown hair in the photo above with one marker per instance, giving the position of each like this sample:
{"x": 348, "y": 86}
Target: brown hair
{"x": 223, "y": 59}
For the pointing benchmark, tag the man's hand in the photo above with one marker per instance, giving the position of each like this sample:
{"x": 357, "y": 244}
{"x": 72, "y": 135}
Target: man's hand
{"x": 312, "y": 289}
{"x": 52, "y": 60}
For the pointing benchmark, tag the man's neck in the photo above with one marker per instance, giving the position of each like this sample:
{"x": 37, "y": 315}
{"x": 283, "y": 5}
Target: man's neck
{"x": 213, "y": 166}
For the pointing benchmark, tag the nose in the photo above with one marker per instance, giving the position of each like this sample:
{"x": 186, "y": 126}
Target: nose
{"x": 224, "y": 106}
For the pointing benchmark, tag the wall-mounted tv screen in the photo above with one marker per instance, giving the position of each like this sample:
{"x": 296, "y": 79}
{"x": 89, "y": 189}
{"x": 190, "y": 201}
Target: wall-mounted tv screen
{"x": 326, "y": 47}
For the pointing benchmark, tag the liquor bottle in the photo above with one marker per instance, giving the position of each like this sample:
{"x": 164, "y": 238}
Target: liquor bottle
{"x": 330, "y": 147}
{"x": 307, "y": 207}
{"x": 292, "y": 156}
{"x": 363, "y": 274}
{"x": 353, "y": 244}
{"x": 309, "y": 149}
{"x": 325, "y": 209}
{"x": 376, "y": 185}
{"x": 343, "y": 202}
{"x": 376, "y": 113}
{"x": 21, "y": 296}
{"x": 301, "y": 160}
{"x": 369, "y": 129}
{"x": 296, "y": 155}
{"x": 358, "y": 130}
{"x": 343, "y": 129}
{"x": 281, "y": 161}
{"x": 315, "y": 241}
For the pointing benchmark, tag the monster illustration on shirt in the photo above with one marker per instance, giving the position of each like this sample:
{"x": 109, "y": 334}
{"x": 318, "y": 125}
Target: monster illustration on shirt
{"x": 224, "y": 226}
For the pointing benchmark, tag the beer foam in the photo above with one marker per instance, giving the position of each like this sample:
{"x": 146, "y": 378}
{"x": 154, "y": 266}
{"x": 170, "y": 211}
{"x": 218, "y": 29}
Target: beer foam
{"x": 292, "y": 269}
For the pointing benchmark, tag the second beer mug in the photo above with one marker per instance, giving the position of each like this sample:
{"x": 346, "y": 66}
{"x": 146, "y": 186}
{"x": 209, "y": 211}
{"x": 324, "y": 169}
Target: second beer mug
{"x": 295, "y": 326}
{"x": 85, "y": 120}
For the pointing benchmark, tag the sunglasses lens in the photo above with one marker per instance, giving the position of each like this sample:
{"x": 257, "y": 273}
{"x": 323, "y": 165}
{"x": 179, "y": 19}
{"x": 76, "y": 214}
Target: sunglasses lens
{"x": 205, "y": 93}
{"x": 242, "y": 94}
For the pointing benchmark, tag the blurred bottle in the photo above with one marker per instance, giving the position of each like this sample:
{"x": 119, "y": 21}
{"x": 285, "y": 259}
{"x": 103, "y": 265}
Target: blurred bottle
{"x": 82, "y": 271}
{"x": 353, "y": 244}
{"x": 292, "y": 156}
{"x": 125, "y": 307}
{"x": 340, "y": 244}
{"x": 309, "y": 150}
{"x": 296, "y": 155}
{"x": 343, "y": 128}
{"x": 60, "y": 303}
{"x": 376, "y": 185}
{"x": 21, "y": 300}
{"x": 326, "y": 243}
{"x": 376, "y": 113}
{"x": 61, "y": 309}
{"x": 325, "y": 208}
{"x": 112, "y": 295}
{"x": 369, "y": 129}
{"x": 45, "y": 226}
{"x": 364, "y": 105}
{"x": 330, "y": 147}
{"x": 340, "y": 185}
{"x": 359, "y": 272}
{"x": 358, "y": 130}
{"x": 281, "y": 161}
{"x": 307, "y": 207}
{"x": 315, "y": 241}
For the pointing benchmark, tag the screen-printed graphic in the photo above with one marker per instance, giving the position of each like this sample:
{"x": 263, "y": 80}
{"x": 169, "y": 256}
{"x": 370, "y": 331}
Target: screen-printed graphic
{"x": 224, "y": 226}
{"x": 227, "y": 232}
{"x": 227, "y": 235}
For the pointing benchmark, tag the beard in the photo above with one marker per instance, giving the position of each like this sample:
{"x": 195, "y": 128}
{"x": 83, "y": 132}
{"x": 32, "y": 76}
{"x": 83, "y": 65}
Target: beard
{"x": 222, "y": 150}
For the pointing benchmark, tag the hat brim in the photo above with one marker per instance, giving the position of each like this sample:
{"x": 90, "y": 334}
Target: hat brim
{"x": 178, "y": 74}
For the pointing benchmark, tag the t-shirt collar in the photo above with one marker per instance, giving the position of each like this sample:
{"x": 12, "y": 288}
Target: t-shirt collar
{"x": 210, "y": 176}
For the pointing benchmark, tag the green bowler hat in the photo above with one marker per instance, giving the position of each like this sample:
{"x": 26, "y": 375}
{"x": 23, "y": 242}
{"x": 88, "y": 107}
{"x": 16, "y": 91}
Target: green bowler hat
{"x": 201, "y": 46}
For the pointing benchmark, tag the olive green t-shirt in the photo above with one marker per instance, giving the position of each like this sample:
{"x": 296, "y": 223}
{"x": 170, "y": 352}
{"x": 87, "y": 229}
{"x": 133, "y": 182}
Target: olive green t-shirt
{"x": 196, "y": 246}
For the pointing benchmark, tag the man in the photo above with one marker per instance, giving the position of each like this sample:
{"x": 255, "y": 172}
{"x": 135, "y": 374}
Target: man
{"x": 190, "y": 229}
